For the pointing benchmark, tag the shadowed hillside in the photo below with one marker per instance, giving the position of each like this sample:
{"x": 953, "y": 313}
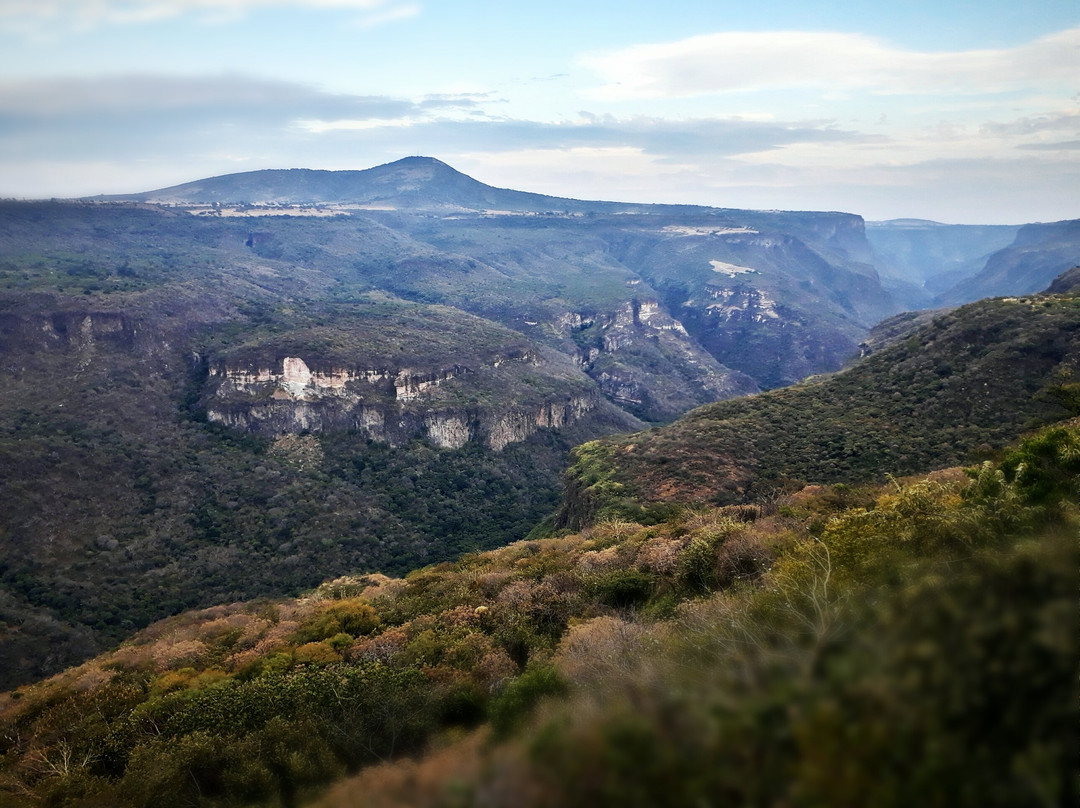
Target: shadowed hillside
{"x": 972, "y": 378}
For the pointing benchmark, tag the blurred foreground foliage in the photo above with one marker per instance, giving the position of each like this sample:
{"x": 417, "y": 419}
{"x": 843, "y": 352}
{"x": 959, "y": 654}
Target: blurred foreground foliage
{"x": 912, "y": 643}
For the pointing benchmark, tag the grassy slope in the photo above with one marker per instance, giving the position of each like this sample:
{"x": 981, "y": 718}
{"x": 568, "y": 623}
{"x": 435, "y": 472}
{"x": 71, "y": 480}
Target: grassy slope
{"x": 726, "y": 654}
{"x": 974, "y": 378}
{"x": 123, "y": 507}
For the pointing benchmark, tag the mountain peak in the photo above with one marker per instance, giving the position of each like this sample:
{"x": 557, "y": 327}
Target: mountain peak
{"x": 415, "y": 182}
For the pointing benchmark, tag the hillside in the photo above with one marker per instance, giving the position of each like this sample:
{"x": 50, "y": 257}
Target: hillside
{"x": 225, "y": 392}
{"x": 799, "y": 286}
{"x": 210, "y": 401}
{"x": 839, "y": 628}
{"x": 974, "y": 377}
{"x": 1039, "y": 254}
{"x": 642, "y": 659}
{"x": 919, "y": 260}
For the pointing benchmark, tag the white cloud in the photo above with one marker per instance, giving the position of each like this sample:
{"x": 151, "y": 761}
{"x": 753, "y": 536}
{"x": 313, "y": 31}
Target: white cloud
{"x": 38, "y": 18}
{"x": 318, "y": 127}
{"x": 138, "y": 94}
{"x": 733, "y": 62}
{"x": 384, "y": 16}
{"x": 622, "y": 173}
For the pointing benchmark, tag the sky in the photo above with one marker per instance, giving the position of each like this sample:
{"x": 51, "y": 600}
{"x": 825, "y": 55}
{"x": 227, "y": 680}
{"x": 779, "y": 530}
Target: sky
{"x": 957, "y": 111}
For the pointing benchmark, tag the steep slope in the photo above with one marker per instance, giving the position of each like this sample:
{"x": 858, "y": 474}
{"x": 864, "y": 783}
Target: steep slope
{"x": 1039, "y": 254}
{"x": 208, "y": 401}
{"x": 975, "y": 376}
{"x": 517, "y": 257}
{"x": 927, "y": 258}
{"x": 839, "y": 631}
{"x": 126, "y": 500}
{"x": 1066, "y": 283}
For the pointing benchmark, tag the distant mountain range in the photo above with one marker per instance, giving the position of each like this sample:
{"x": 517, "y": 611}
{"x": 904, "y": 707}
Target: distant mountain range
{"x": 746, "y": 604}
{"x": 943, "y": 391}
{"x": 926, "y": 264}
{"x": 223, "y": 389}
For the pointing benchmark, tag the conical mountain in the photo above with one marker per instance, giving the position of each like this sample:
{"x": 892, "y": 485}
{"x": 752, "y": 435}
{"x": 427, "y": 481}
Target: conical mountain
{"x": 410, "y": 183}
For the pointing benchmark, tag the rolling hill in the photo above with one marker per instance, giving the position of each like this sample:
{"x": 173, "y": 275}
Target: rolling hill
{"x": 210, "y": 401}
{"x": 969, "y": 379}
{"x": 846, "y": 627}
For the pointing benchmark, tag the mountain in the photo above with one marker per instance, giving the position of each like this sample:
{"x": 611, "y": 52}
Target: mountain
{"x": 420, "y": 183}
{"x": 209, "y": 401}
{"x": 1039, "y": 254}
{"x": 932, "y": 257}
{"x": 798, "y": 287}
{"x": 1066, "y": 283}
{"x": 834, "y": 628}
{"x": 926, "y": 264}
{"x": 971, "y": 378}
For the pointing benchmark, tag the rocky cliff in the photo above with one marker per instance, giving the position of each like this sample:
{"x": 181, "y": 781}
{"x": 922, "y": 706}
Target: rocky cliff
{"x": 394, "y": 404}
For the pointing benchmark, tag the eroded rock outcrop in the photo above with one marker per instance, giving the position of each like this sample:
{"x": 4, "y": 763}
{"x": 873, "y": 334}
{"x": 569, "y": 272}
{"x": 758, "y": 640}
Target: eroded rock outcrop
{"x": 391, "y": 405}
{"x": 629, "y": 352}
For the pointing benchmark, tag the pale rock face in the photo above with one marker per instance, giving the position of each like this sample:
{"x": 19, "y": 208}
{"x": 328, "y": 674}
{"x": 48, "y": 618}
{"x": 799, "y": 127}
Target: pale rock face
{"x": 731, "y": 270}
{"x": 649, "y": 314}
{"x": 518, "y": 426}
{"x": 624, "y": 316}
{"x": 409, "y": 386}
{"x": 732, "y": 303}
{"x": 372, "y": 420}
{"x": 296, "y": 380}
{"x": 624, "y": 391}
{"x": 447, "y": 431}
{"x": 380, "y": 402}
{"x": 295, "y": 376}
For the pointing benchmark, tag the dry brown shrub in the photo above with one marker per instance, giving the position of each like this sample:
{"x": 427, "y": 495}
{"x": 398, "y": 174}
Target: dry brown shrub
{"x": 492, "y": 582}
{"x": 593, "y": 651}
{"x": 183, "y": 653}
{"x": 614, "y": 530}
{"x": 379, "y": 585}
{"x": 742, "y": 513}
{"x": 517, "y": 594}
{"x": 380, "y": 648}
{"x": 422, "y": 783}
{"x": 598, "y": 560}
{"x": 92, "y": 678}
{"x": 714, "y": 526}
{"x": 217, "y": 627}
{"x": 805, "y": 496}
{"x": 495, "y": 669}
{"x": 273, "y": 637}
{"x": 131, "y": 656}
{"x": 660, "y": 555}
{"x": 745, "y": 554}
{"x": 459, "y": 616}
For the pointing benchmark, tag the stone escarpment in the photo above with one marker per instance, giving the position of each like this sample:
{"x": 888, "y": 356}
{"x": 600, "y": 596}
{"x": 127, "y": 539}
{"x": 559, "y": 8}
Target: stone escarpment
{"x": 631, "y": 352}
{"x": 392, "y": 404}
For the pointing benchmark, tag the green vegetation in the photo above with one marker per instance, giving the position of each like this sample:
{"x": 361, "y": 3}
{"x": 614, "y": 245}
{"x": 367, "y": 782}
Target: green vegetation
{"x": 910, "y": 643}
{"x": 715, "y": 631}
{"x": 975, "y": 377}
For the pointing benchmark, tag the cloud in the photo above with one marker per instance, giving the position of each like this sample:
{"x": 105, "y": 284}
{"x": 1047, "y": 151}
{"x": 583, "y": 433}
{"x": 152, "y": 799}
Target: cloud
{"x": 174, "y": 117}
{"x": 382, "y": 17}
{"x": 735, "y": 62}
{"x": 82, "y": 136}
{"x": 1063, "y": 145}
{"x": 71, "y": 97}
{"x": 38, "y": 18}
{"x": 1034, "y": 125}
{"x": 177, "y": 128}
{"x": 105, "y": 118}
{"x": 660, "y": 138}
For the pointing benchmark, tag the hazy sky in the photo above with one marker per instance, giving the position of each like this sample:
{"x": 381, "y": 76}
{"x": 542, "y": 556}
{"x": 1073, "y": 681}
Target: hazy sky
{"x": 951, "y": 110}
